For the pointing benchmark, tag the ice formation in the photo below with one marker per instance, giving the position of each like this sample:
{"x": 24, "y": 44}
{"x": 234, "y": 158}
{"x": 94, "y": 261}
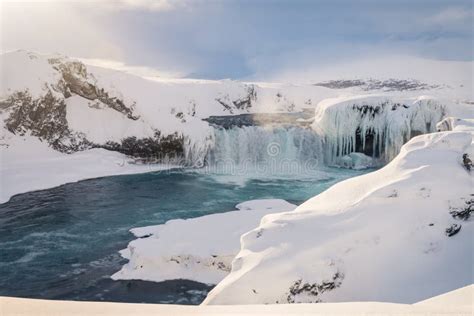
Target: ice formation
{"x": 377, "y": 125}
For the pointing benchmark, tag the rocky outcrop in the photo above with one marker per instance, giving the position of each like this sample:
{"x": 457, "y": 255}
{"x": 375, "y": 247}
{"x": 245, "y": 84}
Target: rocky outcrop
{"x": 75, "y": 80}
{"x": 312, "y": 291}
{"x": 242, "y": 104}
{"x": 45, "y": 118}
{"x": 151, "y": 149}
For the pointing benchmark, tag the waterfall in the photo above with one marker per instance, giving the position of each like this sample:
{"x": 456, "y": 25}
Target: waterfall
{"x": 357, "y": 132}
{"x": 284, "y": 149}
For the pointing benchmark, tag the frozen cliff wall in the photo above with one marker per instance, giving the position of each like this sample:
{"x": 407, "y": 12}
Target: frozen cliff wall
{"x": 374, "y": 125}
{"x": 71, "y": 106}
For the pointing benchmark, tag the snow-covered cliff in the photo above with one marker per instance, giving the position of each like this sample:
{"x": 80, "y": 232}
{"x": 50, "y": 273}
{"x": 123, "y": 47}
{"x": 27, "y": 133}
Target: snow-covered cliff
{"x": 400, "y": 234}
{"x": 67, "y": 107}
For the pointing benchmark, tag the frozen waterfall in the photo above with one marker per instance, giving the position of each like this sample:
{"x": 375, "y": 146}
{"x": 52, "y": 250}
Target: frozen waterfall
{"x": 374, "y": 125}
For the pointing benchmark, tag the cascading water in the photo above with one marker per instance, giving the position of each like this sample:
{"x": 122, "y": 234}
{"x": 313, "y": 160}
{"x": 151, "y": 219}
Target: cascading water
{"x": 353, "y": 133}
{"x": 265, "y": 149}
{"x": 260, "y": 144}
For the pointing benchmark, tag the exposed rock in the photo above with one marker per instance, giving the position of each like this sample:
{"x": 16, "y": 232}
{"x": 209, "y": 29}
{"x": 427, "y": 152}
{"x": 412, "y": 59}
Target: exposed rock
{"x": 453, "y": 230}
{"x": 243, "y": 104}
{"x": 157, "y": 148}
{"x": 463, "y": 213}
{"x": 45, "y": 118}
{"x": 75, "y": 80}
{"x": 313, "y": 289}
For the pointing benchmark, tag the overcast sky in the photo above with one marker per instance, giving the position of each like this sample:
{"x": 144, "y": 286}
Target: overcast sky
{"x": 239, "y": 39}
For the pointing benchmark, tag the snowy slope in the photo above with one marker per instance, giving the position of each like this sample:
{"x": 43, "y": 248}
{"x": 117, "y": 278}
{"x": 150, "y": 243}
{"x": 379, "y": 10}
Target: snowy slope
{"x": 458, "y": 302}
{"x": 28, "y": 165}
{"x": 64, "y": 105}
{"x": 378, "y": 237}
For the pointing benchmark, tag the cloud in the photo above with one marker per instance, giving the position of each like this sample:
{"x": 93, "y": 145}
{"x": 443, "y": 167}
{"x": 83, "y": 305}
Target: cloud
{"x": 146, "y": 5}
{"x": 55, "y": 27}
{"x": 453, "y": 15}
{"x": 152, "y": 5}
{"x": 141, "y": 71}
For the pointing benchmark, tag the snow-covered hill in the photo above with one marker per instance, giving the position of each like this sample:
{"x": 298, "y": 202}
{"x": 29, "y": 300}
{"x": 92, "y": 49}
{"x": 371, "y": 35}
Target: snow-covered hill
{"x": 72, "y": 106}
{"x": 401, "y": 234}
{"x": 457, "y": 302}
{"x": 59, "y": 106}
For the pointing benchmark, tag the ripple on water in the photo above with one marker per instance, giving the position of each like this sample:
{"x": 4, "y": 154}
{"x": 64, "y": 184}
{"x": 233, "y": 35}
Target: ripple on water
{"x": 63, "y": 243}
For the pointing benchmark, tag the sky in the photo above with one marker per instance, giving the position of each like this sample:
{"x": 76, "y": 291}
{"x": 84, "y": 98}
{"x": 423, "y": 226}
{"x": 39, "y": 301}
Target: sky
{"x": 240, "y": 39}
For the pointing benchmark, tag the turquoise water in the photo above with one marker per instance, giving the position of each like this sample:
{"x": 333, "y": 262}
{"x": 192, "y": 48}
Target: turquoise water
{"x": 63, "y": 243}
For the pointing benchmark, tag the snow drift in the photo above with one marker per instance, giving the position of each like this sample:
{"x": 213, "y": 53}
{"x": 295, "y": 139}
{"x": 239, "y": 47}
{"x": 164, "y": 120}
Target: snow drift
{"x": 202, "y": 248}
{"x": 400, "y": 234}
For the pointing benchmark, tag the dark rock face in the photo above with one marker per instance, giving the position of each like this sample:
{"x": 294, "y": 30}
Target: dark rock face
{"x": 453, "y": 230}
{"x": 45, "y": 117}
{"x": 74, "y": 81}
{"x": 151, "y": 149}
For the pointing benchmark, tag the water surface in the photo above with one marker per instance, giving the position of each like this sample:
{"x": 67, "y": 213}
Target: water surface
{"x": 63, "y": 243}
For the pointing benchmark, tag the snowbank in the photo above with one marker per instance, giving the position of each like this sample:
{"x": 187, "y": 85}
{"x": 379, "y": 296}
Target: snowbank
{"x": 199, "y": 249}
{"x": 27, "y": 164}
{"x": 456, "y": 124}
{"x": 391, "y": 235}
{"x": 459, "y": 303}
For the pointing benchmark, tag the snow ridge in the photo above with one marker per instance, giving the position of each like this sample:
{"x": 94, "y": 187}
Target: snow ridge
{"x": 383, "y": 236}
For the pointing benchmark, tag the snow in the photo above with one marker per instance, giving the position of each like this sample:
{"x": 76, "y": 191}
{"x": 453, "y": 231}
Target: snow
{"x": 100, "y": 123}
{"x": 455, "y": 305}
{"x": 460, "y": 297}
{"x": 179, "y": 105}
{"x": 27, "y": 164}
{"x": 377, "y": 237}
{"x": 26, "y": 160}
{"x": 356, "y": 161}
{"x": 203, "y": 247}
{"x": 455, "y": 124}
